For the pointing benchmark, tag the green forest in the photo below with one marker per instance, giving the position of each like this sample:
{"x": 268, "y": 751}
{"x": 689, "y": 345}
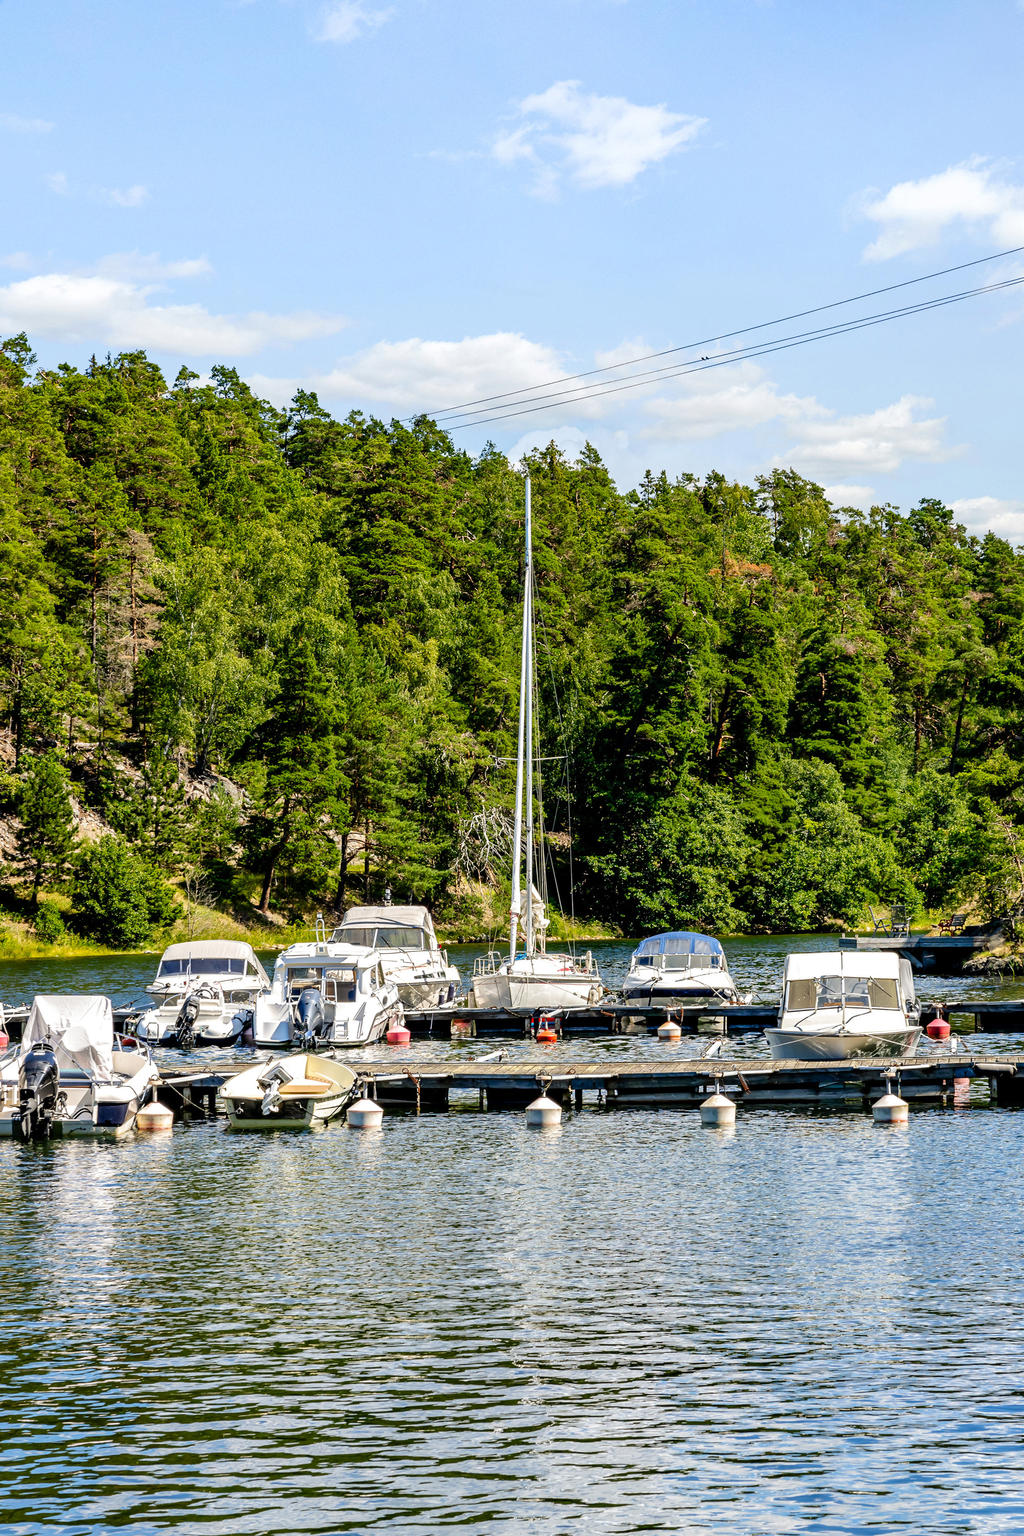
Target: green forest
{"x": 268, "y": 661}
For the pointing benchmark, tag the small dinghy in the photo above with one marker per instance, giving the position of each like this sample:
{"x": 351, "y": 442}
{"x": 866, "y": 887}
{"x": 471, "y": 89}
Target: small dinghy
{"x": 69, "y": 1077}
{"x": 295, "y": 1093}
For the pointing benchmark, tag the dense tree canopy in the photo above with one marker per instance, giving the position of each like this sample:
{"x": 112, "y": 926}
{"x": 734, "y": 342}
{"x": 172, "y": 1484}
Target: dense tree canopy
{"x": 282, "y": 650}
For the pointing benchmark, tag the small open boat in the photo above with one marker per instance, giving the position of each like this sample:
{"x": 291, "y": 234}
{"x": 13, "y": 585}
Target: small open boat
{"x": 297, "y": 1093}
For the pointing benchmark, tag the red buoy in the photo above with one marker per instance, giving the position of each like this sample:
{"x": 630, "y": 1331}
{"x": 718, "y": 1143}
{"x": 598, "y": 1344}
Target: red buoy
{"x": 5, "y": 1038}
{"x": 399, "y": 1034}
{"x": 546, "y": 1035}
{"x": 938, "y": 1029}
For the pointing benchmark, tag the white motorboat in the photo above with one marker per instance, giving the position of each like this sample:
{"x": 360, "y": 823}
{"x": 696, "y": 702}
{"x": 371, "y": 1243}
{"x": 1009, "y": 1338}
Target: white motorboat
{"x": 409, "y": 952}
{"x": 532, "y": 978}
{"x": 295, "y": 1093}
{"x": 687, "y": 969}
{"x": 329, "y": 994}
{"x": 206, "y": 991}
{"x": 847, "y": 1003}
{"x": 69, "y": 1076}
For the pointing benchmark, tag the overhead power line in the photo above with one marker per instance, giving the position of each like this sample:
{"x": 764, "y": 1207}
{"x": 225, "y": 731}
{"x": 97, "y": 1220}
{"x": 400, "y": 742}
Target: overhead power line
{"x": 528, "y": 405}
{"x": 527, "y": 393}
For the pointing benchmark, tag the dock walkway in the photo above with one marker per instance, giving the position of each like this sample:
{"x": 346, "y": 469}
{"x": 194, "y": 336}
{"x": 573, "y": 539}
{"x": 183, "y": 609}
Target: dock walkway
{"x": 428, "y": 1085}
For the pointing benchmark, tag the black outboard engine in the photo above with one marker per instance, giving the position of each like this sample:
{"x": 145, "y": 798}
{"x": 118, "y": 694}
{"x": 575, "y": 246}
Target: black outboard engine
{"x": 309, "y": 1012}
{"x": 185, "y": 1023}
{"x": 38, "y": 1084}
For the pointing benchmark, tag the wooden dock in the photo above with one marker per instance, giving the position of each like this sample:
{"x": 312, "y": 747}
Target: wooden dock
{"x": 422, "y": 1086}
{"x": 941, "y": 954}
{"x": 611, "y": 1018}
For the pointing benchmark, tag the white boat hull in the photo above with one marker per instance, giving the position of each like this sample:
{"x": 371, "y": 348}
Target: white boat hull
{"x": 298, "y": 1093}
{"x": 798, "y": 1045}
{"x": 532, "y": 993}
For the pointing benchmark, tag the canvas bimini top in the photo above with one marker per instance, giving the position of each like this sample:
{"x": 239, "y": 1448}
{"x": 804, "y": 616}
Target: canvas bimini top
{"x": 678, "y": 944}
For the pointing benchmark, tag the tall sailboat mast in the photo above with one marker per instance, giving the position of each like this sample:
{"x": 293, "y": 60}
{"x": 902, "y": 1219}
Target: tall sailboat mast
{"x": 527, "y": 706}
{"x": 524, "y": 692}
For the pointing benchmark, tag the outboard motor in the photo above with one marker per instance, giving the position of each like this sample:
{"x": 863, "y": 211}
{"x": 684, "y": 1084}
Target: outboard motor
{"x": 185, "y": 1023}
{"x": 309, "y": 1013}
{"x": 38, "y": 1084}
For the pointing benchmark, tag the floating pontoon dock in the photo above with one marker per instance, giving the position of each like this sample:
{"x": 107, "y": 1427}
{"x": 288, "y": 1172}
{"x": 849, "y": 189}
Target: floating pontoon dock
{"x": 680, "y": 1084}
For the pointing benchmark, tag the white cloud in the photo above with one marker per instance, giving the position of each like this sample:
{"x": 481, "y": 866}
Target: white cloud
{"x": 743, "y": 397}
{"x": 916, "y": 214}
{"x": 76, "y": 308}
{"x": 116, "y": 197}
{"x": 982, "y": 514}
{"x": 877, "y": 442}
{"x": 131, "y": 266}
{"x": 418, "y": 375}
{"x": 346, "y": 20}
{"x": 127, "y": 197}
{"x": 594, "y": 141}
{"x": 15, "y": 124}
{"x": 18, "y": 261}
{"x": 850, "y": 495}
{"x": 726, "y": 400}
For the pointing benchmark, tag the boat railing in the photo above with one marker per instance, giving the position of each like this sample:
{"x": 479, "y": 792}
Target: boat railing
{"x": 487, "y": 965}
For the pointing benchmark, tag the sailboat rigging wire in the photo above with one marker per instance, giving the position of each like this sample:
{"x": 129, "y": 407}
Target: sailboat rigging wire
{"x": 564, "y": 757}
{"x": 704, "y": 365}
{"x": 707, "y": 341}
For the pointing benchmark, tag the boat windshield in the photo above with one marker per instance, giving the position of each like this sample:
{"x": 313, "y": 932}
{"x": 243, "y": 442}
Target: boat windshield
{"x": 837, "y": 991}
{"x": 202, "y": 965}
{"x": 381, "y": 938}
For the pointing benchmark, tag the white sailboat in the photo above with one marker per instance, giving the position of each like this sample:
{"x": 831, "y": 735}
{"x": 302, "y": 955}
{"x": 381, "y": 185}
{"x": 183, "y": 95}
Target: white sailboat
{"x": 531, "y": 978}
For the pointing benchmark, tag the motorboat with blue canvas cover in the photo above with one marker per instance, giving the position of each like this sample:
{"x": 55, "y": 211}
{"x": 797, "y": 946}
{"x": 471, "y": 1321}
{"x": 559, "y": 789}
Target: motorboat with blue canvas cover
{"x": 206, "y": 991}
{"x": 838, "y": 1004}
{"x": 683, "y": 969}
{"x": 409, "y": 952}
{"x": 69, "y": 1076}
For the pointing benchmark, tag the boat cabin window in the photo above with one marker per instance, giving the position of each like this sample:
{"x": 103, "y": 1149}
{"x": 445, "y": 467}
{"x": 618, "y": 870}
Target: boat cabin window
{"x": 382, "y": 938}
{"x": 202, "y": 965}
{"x": 340, "y": 985}
{"x": 302, "y": 976}
{"x": 837, "y": 991}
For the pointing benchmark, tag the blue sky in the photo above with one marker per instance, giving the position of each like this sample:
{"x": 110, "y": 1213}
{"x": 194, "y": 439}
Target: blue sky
{"x": 408, "y": 205}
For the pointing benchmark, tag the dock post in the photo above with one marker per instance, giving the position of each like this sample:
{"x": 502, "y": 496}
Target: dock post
{"x": 578, "y": 1099}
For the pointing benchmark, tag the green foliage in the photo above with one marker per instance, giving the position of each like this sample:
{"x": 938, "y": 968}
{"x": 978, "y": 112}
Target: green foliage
{"x": 49, "y": 923}
{"x": 278, "y": 654}
{"x": 117, "y": 898}
{"x": 46, "y": 836}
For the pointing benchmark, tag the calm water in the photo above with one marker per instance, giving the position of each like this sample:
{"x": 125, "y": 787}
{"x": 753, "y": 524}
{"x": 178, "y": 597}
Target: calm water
{"x": 627, "y": 1325}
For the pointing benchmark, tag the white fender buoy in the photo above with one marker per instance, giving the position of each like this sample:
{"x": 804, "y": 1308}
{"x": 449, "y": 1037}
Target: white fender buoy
{"x": 669, "y": 1031}
{"x": 364, "y": 1115}
{"x": 890, "y": 1109}
{"x": 155, "y": 1117}
{"x": 543, "y": 1111}
{"x": 718, "y": 1110}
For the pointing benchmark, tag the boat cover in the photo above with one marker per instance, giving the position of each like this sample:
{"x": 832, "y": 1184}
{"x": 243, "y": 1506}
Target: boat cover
{"x": 79, "y": 1031}
{"x": 389, "y": 917}
{"x": 679, "y": 944}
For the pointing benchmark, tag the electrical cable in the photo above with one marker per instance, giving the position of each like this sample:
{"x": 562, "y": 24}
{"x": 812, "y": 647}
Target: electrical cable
{"x": 739, "y": 354}
{"x": 526, "y": 390}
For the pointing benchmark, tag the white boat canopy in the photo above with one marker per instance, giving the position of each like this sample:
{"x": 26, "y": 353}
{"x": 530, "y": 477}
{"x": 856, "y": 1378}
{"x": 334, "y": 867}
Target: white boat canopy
{"x": 843, "y": 962}
{"x": 389, "y": 927}
{"x": 79, "y": 1031}
{"x": 211, "y": 957}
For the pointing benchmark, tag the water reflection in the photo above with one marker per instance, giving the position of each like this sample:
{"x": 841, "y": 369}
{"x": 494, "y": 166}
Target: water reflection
{"x": 631, "y": 1325}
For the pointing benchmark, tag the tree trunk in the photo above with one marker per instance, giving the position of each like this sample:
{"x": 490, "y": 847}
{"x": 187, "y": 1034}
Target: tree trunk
{"x": 959, "y": 724}
{"x": 339, "y": 899}
{"x": 366, "y": 865}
